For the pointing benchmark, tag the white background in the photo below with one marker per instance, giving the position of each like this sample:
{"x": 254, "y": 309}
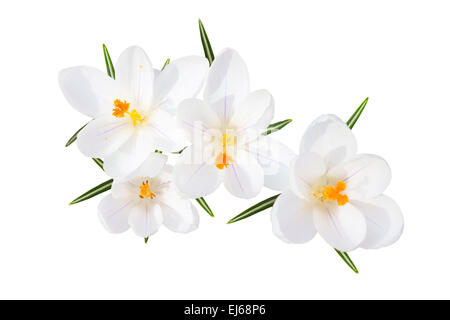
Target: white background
{"x": 315, "y": 57}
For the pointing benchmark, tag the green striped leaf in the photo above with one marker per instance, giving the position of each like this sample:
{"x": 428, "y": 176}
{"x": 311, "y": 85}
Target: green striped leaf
{"x": 165, "y": 64}
{"x": 109, "y": 65}
{"x": 263, "y": 205}
{"x": 276, "y": 126}
{"x": 347, "y": 260}
{"x": 205, "y": 206}
{"x": 74, "y": 137}
{"x": 209, "y": 54}
{"x": 355, "y": 116}
{"x": 99, "y": 162}
{"x": 146, "y": 239}
{"x": 105, "y": 186}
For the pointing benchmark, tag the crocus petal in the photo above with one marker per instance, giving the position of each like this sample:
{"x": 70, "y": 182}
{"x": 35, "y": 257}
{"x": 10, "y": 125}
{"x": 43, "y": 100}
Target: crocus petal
{"x": 329, "y": 137}
{"x": 292, "y": 218}
{"x": 180, "y": 79}
{"x": 113, "y": 213}
{"x": 366, "y": 176}
{"x": 180, "y": 216}
{"x": 88, "y": 90}
{"x": 343, "y": 227}
{"x": 134, "y": 74}
{"x": 145, "y": 219}
{"x": 255, "y": 112}
{"x": 165, "y": 134}
{"x": 195, "y": 173}
{"x": 151, "y": 166}
{"x": 227, "y": 83}
{"x": 103, "y": 135}
{"x": 244, "y": 177}
{"x": 305, "y": 170}
{"x": 384, "y": 221}
{"x": 197, "y": 120}
{"x": 129, "y": 156}
{"x": 275, "y": 158}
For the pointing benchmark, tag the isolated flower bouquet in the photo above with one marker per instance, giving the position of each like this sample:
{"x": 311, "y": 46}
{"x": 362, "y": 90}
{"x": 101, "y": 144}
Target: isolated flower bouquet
{"x": 163, "y": 147}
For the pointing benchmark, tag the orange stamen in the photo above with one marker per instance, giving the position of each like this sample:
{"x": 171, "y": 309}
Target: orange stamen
{"x": 145, "y": 191}
{"x": 223, "y": 161}
{"x": 120, "y": 108}
{"x": 333, "y": 193}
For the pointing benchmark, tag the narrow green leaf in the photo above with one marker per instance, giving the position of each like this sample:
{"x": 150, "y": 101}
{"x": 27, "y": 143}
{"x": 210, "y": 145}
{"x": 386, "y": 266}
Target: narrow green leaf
{"x": 205, "y": 206}
{"x": 209, "y": 54}
{"x": 146, "y": 239}
{"x": 105, "y": 186}
{"x": 355, "y": 116}
{"x": 165, "y": 64}
{"x": 263, "y": 205}
{"x": 179, "y": 152}
{"x": 344, "y": 256}
{"x": 74, "y": 137}
{"x": 99, "y": 162}
{"x": 276, "y": 126}
{"x": 109, "y": 65}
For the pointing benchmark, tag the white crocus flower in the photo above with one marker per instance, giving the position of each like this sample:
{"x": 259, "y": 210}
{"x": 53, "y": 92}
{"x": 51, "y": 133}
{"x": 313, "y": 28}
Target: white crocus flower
{"x": 132, "y": 115}
{"x": 225, "y": 130}
{"x": 336, "y": 192}
{"x": 147, "y": 200}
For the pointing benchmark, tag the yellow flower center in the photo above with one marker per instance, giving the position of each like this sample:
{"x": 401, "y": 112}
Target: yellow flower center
{"x": 121, "y": 108}
{"x": 222, "y": 159}
{"x": 331, "y": 193}
{"x": 145, "y": 191}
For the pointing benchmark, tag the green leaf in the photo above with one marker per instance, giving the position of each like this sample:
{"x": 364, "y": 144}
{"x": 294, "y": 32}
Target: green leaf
{"x": 204, "y": 205}
{"x": 209, "y": 54}
{"x": 276, "y": 126}
{"x": 74, "y": 137}
{"x": 355, "y": 116}
{"x": 263, "y": 205}
{"x": 99, "y": 162}
{"x": 105, "y": 186}
{"x": 165, "y": 64}
{"x": 344, "y": 256}
{"x": 179, "y": 152}
{"x": 109, "y": 65}
{"x": 146, "y": 239}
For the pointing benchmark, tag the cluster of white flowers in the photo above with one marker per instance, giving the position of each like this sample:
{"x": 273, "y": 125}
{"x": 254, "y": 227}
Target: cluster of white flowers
{"x": 144, "y": 116}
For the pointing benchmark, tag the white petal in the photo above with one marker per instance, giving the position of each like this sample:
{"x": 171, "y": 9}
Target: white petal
{"x": 343, "y": 227}
{"x": 145, "y": 219}
{"x": 244, "y": 177}
{"x": 124, "y": 189}
{"x": 329, "y": 137}
{"x": 292, "y": 218}
{"x": 151, "y": 167}
{"x": 134, "y": 74}
{"x": 88, "y": 90}
{"x": 275, "y": 158}
{"x": 366, "y": 176}
{"x": 165, "y": 134}
{"x": 195, "y": 174}
{"x": 180, "y": 79}
{"x": 384, "y": 221}
{"x": 227, "y": 84}
{"x": 113, "y": 213}
{"x": 180, "y": 216}
{"x": 197, "y": 120}
{"x": 129, "y": 156}
{"x": 103, "y": 135}
{"x": 255, "y": 112}
{"x": 305, "y": 170}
